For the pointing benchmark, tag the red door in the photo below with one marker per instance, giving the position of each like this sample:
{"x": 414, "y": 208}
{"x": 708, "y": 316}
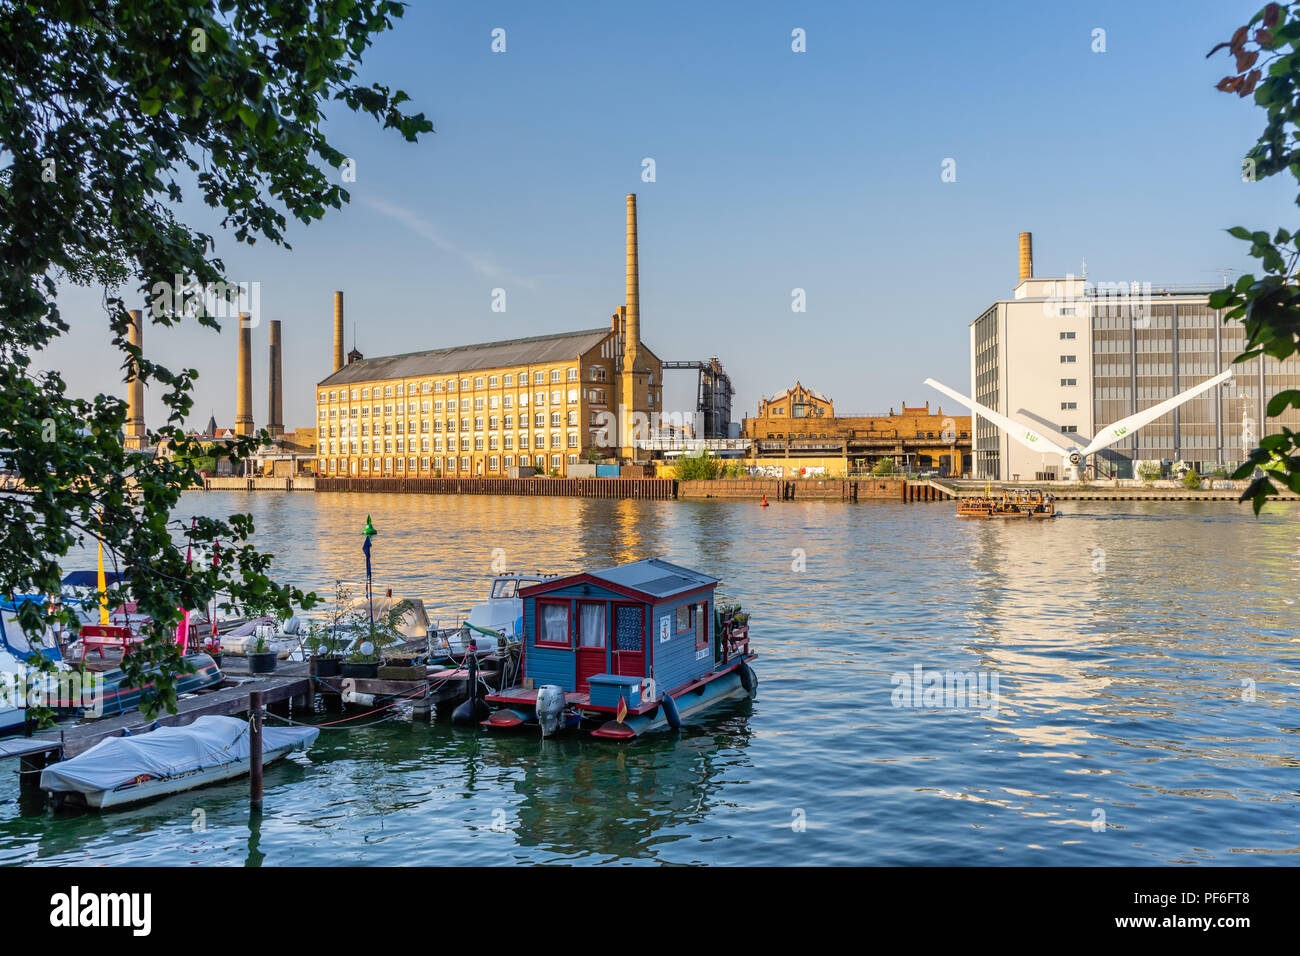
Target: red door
{"x": 593, "y": 640}
{"x": 629, "y": 640}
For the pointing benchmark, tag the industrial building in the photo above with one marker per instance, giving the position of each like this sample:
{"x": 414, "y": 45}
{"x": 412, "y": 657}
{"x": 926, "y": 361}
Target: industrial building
{"x": 800, "y": 423}
{"x": 1076, "y": 356}
{"x": 541, "y": 403}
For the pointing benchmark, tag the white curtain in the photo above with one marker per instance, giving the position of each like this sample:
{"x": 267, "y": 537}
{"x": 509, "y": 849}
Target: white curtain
{"x": 592, "y": 625}
{"x": 555, "y": 623}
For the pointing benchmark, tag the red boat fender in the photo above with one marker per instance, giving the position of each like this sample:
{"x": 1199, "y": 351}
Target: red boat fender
{"x": 503, "y": 719}
{"x": 613, "y": 730}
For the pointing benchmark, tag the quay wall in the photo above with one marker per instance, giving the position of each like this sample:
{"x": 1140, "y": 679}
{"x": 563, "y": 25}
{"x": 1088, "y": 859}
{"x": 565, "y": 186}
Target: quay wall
{"x": 546, "y": 487}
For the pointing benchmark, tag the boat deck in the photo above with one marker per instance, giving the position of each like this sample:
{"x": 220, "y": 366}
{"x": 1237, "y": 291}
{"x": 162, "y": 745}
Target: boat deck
{"x": 527, "y": 697}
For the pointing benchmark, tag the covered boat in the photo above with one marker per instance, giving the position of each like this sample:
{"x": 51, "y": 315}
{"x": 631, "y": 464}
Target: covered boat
{"x": 630, "y": 649}
{"x": 122, "y": 770}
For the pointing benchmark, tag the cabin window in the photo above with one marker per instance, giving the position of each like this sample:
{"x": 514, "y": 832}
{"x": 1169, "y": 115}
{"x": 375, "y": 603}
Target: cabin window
{"x": 591, "y": 625}
{"x": 683, "y": 618}
{"x": 503, "y": 588}
{"x": 554, "y": 621}
{"x": 701, "y": 626}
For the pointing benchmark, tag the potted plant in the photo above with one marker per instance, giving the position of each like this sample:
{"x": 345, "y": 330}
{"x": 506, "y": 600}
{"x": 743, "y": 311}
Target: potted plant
{"x": 261, "y": 660}
{"x": 372, "y": 637}
{"x": 212, "y": 647}
{"x": 325, "y": 646}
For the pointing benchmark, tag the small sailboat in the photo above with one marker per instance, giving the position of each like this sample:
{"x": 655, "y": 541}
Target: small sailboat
{"x": 123, "y": 770}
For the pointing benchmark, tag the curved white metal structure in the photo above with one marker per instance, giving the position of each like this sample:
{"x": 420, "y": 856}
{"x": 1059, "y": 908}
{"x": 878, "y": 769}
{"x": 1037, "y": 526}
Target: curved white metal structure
{"x": 1072, "y": 455}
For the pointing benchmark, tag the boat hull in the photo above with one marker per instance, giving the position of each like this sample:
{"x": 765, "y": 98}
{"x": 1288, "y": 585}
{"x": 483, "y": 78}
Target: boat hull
{"x": 156, "y": 789}
{"x": 689, "y": 704}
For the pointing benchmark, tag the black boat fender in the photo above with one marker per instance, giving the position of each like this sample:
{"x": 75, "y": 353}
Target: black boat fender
{"x": 669, "y": 707}
{"x": 748, "y": 679}
{"x": 472, "y": 710}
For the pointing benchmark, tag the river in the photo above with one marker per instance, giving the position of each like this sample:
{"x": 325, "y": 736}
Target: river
{"x": 1140, "y": 662}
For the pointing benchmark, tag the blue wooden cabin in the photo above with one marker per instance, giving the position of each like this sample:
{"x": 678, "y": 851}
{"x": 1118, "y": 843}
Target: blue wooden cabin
{"x": 602, "y": 633}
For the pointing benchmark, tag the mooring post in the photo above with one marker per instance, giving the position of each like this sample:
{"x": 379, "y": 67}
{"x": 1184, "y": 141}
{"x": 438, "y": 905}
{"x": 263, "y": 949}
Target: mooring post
{"x": 255, "y": 751}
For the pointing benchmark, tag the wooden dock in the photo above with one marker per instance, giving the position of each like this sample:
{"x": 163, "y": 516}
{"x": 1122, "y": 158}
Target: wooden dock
{"x": 228, "y": 698}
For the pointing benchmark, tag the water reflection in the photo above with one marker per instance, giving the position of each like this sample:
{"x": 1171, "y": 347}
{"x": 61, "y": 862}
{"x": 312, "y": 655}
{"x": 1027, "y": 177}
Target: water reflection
{"x": 1123, "y": 689}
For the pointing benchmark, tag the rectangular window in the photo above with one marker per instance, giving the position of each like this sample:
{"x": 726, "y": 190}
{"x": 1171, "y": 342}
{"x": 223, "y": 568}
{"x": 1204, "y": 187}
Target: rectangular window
{"x": 509, "y": 381}
{"x": 1068, "y": 382}
{"x": 1067, "y": 406}
{"x": 701, "y": 626}
{"x": 557, "y": 375}
{"x": 553, "y": 624}
{"x": 492, "y": 381}
{"x": 573, "y": 374}
{"x": 591, "y": 625}
{"x": 1067, "y": 359}
{"x": 684, "y": 621}
{"x": 1067, "y": 335}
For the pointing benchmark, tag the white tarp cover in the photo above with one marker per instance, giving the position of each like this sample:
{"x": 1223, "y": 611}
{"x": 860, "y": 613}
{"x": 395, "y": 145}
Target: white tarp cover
{"x": 207, "y": 742}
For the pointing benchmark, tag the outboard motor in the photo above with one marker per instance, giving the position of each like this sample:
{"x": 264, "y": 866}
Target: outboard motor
{"x": 550, "y": 707}
{"x": 472, "y": 710}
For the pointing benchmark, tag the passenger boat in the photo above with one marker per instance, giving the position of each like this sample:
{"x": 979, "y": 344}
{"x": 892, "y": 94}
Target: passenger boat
{"x": 1027, "y": 503}
{"x": 625, "y": 651}
{"x": 123, "y": 770}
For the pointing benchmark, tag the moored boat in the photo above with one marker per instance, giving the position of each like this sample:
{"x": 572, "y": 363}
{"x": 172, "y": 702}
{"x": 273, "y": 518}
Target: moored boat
{"x": 1026, "y": 503}
{"x": 123, "y": 770}
{"x": 625, "y": 651}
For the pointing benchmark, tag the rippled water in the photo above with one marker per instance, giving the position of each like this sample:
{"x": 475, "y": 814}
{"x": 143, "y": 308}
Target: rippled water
{"x": 1127, "y": 639}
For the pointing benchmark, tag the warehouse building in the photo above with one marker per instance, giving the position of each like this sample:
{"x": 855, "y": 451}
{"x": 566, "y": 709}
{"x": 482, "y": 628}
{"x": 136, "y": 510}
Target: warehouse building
{"x": 494, "y": 409}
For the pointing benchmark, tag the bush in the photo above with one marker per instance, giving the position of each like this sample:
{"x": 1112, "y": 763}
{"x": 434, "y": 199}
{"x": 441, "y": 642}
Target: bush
{"x": 1149, "y": 471}
{"x": 885, "y": 466}
{"x": 697, "y": 467}
{"x": 1191, "y": 480}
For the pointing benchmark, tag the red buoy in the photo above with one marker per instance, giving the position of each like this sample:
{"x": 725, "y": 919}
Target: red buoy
{"x": 765, "y": 501}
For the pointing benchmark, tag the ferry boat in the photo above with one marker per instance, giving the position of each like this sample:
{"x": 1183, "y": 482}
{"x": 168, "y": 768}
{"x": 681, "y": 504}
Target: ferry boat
{"x": 625, "y": 651}
{"x": 1028, "y": 503}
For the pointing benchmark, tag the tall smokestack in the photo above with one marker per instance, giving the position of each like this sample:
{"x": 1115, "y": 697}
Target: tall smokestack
{"x": 632, "y": 298}
{"x": 1026, "y": 256}
{"x": 135, "y": 388}
{"x": 275, "y": 396}
{"x": 244, "y": 377}
{"x": 338, "y": 331}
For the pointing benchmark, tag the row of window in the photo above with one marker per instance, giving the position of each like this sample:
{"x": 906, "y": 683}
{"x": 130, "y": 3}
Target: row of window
{"x": 491, "y": 443}
{"x": 596, "y": 373}
{"x": 495, "y": 463}
{"x": 595, "y": 396}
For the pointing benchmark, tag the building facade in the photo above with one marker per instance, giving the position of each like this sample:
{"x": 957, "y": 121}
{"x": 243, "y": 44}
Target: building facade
{"x": 800, "y": 422}
{"x": 1076, "y": 357}
{"x": 545, "y": 402}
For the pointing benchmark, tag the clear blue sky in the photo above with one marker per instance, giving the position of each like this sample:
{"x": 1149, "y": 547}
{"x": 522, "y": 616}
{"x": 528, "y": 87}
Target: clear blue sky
{"x": 775, "y": 170}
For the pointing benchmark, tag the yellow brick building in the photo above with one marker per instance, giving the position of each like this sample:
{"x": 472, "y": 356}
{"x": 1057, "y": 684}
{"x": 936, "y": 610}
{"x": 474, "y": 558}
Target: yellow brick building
{"x": 546, "y": 402}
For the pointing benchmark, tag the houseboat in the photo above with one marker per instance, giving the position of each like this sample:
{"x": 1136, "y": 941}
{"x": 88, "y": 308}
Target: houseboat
{"x": 1020, "y": 503}
{"x": 621, "y": 652}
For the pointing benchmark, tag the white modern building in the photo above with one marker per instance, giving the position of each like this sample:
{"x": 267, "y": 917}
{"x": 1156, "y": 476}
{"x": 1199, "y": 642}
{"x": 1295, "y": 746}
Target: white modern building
{"x": 1076, "y": 356}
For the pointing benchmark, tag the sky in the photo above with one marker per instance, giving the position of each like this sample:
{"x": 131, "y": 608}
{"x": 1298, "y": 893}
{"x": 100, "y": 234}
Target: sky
{"x": 774, "y": 170}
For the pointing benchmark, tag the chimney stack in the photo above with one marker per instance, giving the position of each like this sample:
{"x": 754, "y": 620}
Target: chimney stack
{"x": 135, "y": 388}
{"x": 632, "y": 297}
{"x": 338, "y": 331}
{"x": 1026, "y": 256}
{"x": 275, "y": 397}
{"x": 244, "y": 377}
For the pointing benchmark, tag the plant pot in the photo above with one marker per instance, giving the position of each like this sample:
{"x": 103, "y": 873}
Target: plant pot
{"x": 262, "y": 663}
{"x": 352, "y": 669}
{"x": 328, "y": 666}
{"x": 398, "y": 672}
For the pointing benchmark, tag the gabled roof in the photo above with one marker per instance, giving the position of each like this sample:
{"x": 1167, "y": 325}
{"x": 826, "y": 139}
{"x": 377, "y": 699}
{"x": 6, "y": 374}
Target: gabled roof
{"x": 533, "y": 350}
{"x": 655, "y": 577}
{"x": 652, "y": 577}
